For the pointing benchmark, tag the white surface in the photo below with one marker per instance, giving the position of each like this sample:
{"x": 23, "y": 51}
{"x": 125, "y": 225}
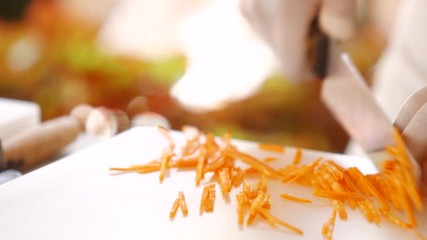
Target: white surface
{"x": 17, "y": 116}
{"x": 79, "y": 198}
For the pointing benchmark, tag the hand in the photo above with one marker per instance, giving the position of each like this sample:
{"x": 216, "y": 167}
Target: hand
{"x": 285, "y": 25}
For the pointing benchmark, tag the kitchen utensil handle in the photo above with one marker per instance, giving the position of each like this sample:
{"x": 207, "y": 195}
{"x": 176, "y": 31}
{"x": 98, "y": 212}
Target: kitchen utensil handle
{"x": 36, "y": 146}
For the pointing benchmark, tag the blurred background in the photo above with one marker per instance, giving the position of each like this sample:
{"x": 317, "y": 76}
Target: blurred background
{"x": 196, "y": 62}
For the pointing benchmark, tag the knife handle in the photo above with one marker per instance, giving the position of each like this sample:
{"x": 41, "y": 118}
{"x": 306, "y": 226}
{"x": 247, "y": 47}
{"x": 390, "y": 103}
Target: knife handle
{"x": 39, "y": 145}
{"x": 318, "y": 50}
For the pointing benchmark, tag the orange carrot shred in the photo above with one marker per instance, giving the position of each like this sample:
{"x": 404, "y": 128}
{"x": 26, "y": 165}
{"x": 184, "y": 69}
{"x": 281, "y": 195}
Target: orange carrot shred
{"x": 253, "y": 162}
{"x": 204, "y": 198}
{"x": 209, "y": 205}
{"x": 274, "y": 220}
{"x": 251, "y": 170}
{"x": 224, "y": 179}
{"x": 183, "y": 203}
{"x": 296, "y": 199}
{"x": 241, "y": 202}
{"x": 391, "y": 194}
{"x": 272, "y": 147}
{"x": 270, "y": 159}
{"x": 297, "y": 157}
{"x": 174, "y": 209}
{"x": 200, "y": 165}
{"x": 329, "y": 226}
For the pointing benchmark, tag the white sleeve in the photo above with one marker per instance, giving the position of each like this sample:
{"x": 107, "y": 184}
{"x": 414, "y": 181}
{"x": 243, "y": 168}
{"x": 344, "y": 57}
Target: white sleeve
{"x": 402, "y": 68}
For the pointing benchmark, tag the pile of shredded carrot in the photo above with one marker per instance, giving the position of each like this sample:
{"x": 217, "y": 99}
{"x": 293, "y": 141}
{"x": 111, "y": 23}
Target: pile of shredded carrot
{"x": 392, "y": 194}
{"x": 179, "y": 202}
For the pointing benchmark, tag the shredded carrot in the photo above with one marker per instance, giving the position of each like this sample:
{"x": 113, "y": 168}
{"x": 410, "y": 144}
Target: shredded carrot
{"x": 408, "y": 172}
{"x": 391, "y": 194}
{"x": 186, "y": 163}
{"x": 204, "y": 198}
{"x": 224, "y": 179}
{"x": 271, "y": 147}
{"x": 337, "y": 195}
{"x": 216, "y": 164}
{"x": 174, "y": 209}
{"x": 262, "y": 184}
{"x": 274, "y": 220}
{"x": 200, "y": 165}
{"x": 297, "y": 157}
{"x": 251, "y": 170}
{"x": 270, "y": 159}
{"x": 209, "y": 205}
{"x": 183, "y": 203}
{"x": 339, "y": 206}
{"x": 237, "y": 177}
{"x": 210, "y": 144}
{"x": 366, "y": 185}
{"x": 328, "y": 227}
{"x": 241, "y": 203}
{"x": 164, "y": 164}
{"x": 253, "y": 162}
{"x": 296, "y": 199}
{"x": 255, "y": 206}
{"x": 142, "y": 169}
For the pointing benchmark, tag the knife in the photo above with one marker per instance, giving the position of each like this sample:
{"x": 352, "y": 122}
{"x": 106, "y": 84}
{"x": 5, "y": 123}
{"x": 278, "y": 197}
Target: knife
{"x": 347, "y": 96}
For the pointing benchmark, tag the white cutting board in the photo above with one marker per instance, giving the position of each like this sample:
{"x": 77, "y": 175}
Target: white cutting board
{"x": 79, "y": 198}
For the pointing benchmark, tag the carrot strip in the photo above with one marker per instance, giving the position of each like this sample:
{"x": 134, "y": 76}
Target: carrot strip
{"x": 270, "y": 159}
{"x": 271, "y": 147}
{"x": 253, "y": 162}
{"x": 237, "y": 177}
{"x": 138, "y": 169}
{"x": 328, "y": 227}
{"x": 262, "y": 184}
{"x": 296, "y": 199}
{"x": 297, "y": 157}
{"x": 186, "y": 163}
{"x": 241, "y": 202}
{"x": 209, "y": 205}
{"x": 205, "y": 195}
{"x": 251, "y": 170}
{"x": 148, "y": 170}
{"x": 200, "y": 165}
{"x": 274, "y": 220}
{"x": 183, "y": 203}
{"x": 254, "y": 207}
{"x": 174, "y": 209}
{"x": 298, "y": 173}
{"x": 163, "y": 165}
{"x": 224, "y": 179}
{"x": 408, "y": 171}
{"x": 216, "y": 164}
{"x": 393, "y": 219}
{"x": 366, "y": 185}
{"x": 210, "y": 144}
{"x": 339, "y": 207}
{"x": 337, "y": 195}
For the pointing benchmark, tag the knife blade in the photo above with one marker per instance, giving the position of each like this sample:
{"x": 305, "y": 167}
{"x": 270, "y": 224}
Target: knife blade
{"x": 350, "y": 100}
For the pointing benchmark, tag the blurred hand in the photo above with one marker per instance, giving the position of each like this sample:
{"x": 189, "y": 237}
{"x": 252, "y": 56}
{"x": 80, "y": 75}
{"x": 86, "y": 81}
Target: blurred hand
{"x": 284, "y": 25}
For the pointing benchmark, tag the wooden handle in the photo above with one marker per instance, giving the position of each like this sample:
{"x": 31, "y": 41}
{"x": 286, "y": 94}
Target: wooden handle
{"x": 36, "y": 146}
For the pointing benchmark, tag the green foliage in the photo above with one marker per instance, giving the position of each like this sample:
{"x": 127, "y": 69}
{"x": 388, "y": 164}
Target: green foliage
{"x": 168, "y": 70}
